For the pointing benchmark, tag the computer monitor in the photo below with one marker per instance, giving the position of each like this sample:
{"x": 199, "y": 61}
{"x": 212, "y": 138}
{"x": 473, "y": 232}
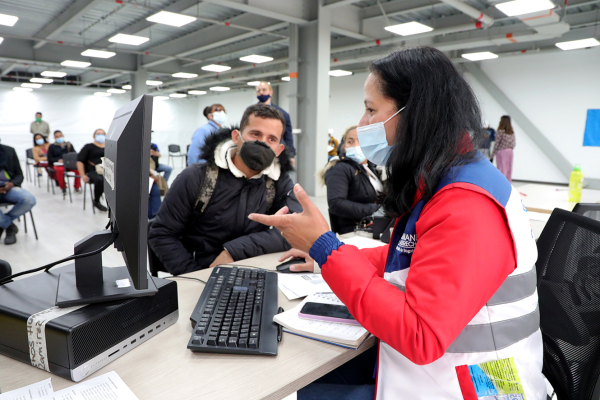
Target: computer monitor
{"x": 126, "y": 187}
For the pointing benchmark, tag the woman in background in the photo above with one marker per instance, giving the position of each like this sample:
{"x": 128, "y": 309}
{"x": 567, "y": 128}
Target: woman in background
{"x": 505, "y": 143}
{"x": 353, "y": 184}
{"x": 40, "y": 152}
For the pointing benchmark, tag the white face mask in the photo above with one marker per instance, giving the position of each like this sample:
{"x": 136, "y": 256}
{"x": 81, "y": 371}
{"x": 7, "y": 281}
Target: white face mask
{"x": 356, "y": 154}
{"x": 220, "y": 117}
{"x": 373, "y": 141}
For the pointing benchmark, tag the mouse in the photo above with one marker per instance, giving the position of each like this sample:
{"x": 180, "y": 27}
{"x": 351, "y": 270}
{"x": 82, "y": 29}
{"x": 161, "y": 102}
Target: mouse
{"x": 285, "y": 267}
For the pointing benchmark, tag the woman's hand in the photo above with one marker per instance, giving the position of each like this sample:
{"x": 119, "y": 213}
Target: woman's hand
{"x": 85, "y": 178}
{"x": 300, "y": 230}
{"x": 308, "y": 266}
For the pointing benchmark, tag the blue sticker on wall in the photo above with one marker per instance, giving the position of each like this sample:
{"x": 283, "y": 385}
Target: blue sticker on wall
{"x": 591, "y": 137}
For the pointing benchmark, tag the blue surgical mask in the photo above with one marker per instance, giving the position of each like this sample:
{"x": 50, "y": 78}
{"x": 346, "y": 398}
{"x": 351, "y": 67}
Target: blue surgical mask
{"x": 373, "y": 141}
{"x": 356, "y": 154}
{"x": 263, "y": 97}
{"x": 60, "y": 140}
{"x": 39, "y": 142}
{"x": 100, "y": 138}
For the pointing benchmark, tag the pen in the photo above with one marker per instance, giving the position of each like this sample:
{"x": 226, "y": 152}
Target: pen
{"x": 279, "y": 327}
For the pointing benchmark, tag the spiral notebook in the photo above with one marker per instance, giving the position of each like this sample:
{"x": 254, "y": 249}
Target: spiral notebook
{"x": 339, "y": 334}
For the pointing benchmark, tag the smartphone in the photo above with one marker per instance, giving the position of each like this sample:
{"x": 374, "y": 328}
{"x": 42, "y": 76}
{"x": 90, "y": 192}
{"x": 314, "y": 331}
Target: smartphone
{"x": 327, "y": 312}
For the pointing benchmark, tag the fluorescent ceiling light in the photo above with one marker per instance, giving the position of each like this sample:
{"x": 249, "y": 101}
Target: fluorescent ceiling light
{"x": 32, "y": 85}
{"x": 216, "y": 68}
{"x": 161, "y": 97}
{"x": 256, "y": 59}
{"x": 8, "y": 20}
{"x": 54, "y": 74}
{"x": 184, "y": 75}
{"x": 128, "y": 87}
{"x": 117, "y": 91}
{"x": 578, "y": 44}
{"x": 339, "y": 72}
{"x": 41, "y": 80}
{"x": 98, "y": 53}
{"x": 409, "y": 28}
{"x": 197, "y": 92}
{"x": 102, "y": 94}
{"x": 178, "y": 95}
{"x": 254, "y": 83}
{"x": 219, "y": 88}
{"x": 285, "y": 78}
{"x": 76, "y": 64}
{"x": 169, "y": 18}
{"x": 153, "y": 83}
{"x": 519, "y": 7}
{"x": 22, "y": 89}
{"x": 485, "y": 55}
{"x": 128, "y": 39}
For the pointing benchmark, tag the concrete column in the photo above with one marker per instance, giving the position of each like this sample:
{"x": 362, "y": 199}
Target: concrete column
{"x": 138, "y": 80}
{"x": 293, "y": 68}
{"x": 314, "y": 47}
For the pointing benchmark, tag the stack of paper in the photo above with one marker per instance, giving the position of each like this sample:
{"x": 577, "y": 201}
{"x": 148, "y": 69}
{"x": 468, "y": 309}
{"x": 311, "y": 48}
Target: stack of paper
{"x": 344, "y": 335}
{"x": 295, "y": 286}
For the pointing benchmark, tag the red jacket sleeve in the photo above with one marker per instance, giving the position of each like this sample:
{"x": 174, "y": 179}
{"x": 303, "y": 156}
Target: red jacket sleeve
{"x": 377, "y": 256}
{"x": 464, "y": 252}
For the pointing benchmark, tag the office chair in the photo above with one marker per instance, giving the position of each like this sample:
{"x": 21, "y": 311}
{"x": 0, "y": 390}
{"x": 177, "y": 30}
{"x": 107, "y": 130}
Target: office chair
{"x": 24, "y": 219}
{"x": 31, "y": 161}
{"x": 174, "y": 152}
{"x": 590, "y": 210}
{"x": 5, "y": 269}
{"x": 70, "y": 166}
{"x": 568, "y": 272}
{"x": 154, "y": 262}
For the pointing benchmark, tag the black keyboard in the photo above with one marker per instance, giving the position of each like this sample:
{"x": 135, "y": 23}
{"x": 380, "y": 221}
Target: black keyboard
{"x": 235, "y": 313}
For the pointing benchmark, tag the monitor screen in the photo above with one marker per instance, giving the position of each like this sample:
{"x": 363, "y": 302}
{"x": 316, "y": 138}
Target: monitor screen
{"x": 126, "y": 186}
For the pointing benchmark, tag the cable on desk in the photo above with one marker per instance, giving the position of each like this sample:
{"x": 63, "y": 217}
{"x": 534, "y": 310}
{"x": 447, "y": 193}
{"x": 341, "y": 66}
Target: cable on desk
{"x": 185, "y": 277}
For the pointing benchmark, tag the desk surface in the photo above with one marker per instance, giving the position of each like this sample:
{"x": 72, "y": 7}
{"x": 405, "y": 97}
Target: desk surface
{"x": 164, "y": 368}
{"x": 545, "y": 198}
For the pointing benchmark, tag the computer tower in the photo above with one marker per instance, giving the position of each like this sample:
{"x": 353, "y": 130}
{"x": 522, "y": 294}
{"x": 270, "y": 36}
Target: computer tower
{"x": 86, "y": 339}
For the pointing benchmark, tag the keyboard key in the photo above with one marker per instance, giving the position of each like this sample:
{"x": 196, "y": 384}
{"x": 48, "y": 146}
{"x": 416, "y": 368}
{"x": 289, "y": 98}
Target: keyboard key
{"x": 253, "y": 334}
{"x": 254, "y": 328}
{"x": 253, "y": 343}
{"x": 201, "y": 330}
{"x": 212, "y": 341}
{"x": 233, "y": 334}
{"x": 243, "y": 336}
{"x": 232, "y": 342}
{"x": 243, "y": 343}
{"x": 222, "y": 341}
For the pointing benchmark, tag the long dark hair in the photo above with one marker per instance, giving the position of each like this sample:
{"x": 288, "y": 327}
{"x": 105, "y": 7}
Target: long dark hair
{"x": 505, "y": 125}
{"x": 439, "y": 128}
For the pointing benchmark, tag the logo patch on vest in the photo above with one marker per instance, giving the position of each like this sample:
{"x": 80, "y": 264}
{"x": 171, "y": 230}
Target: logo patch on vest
{"x": 407, "y": 243}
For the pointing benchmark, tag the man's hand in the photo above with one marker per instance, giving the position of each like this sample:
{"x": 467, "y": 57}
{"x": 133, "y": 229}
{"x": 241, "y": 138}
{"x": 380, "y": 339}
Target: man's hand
{"x": 300, "y": 230}
{"x": 309, "y": 265}
{"x": 60, "y": 161}
{"x": 223, "y": 258}
{"x": 6, "y": 188}
{"x": 86, "y": 178}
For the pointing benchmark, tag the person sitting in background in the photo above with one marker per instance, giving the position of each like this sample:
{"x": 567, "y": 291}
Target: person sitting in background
{"x": 489, "y": 135}
{"x": 88, "y": 158}
{"x": 56, "y": 151}
{"x": 11, "y": 178}
{"x": 332, "y": 146}
{"x": 353, "y": 184}
{"x": 40, "y": 152}
{"x": 39, "y": 126}
{"x": 216, "y": 117}
{"x": 155, "y": 155}
{"x": 203, "y": 222}
{"x": 154, "y": 196}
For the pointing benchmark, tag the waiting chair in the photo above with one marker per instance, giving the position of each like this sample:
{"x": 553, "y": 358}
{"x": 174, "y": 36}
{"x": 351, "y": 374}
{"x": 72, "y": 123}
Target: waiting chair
{"x": 5, "y": 269}
{"x": 30, "y": 161}
{"x": 154, "y": 262}
{"x": 70, "y": 166}
{"x": 590, "y": 210}
{"x": 568, "y": 272}
{"x": 24, "y": 219}
{"x": 174, "y": 152}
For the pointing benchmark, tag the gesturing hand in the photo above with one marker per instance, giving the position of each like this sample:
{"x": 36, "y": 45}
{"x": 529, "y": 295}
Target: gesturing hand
{"x": 300, "y": 230}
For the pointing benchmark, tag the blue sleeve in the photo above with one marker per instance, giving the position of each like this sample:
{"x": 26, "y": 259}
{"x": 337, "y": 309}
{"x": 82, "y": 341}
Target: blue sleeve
{"x": 323, "y": 247}
{"x": 288, "y": 137}
{"x": 194, "y": 152}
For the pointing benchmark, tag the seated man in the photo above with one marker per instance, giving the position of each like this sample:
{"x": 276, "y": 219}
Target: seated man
{"x": 11, "y": 178}
{"x": 203, "y": 221}
{"x": 155, "y": 155}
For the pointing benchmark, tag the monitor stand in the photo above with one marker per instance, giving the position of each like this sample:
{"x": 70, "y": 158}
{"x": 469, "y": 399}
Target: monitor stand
{"x": 93, "y": 283}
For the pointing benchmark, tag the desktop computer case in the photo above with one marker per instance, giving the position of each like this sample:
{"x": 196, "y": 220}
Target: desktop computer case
{"x": 87, "y": 339}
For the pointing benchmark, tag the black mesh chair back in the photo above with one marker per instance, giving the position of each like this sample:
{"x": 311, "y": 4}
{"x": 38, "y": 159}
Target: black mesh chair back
{"x": 153, "y": 261}
{"x": 70, "y": 161}
{"x": 568, "y": 271}
{"x": 29, "y": 153}
{"x": 174, "y": 148}
{"x": 590, "y": 210}
{"x": 5, "y": 269}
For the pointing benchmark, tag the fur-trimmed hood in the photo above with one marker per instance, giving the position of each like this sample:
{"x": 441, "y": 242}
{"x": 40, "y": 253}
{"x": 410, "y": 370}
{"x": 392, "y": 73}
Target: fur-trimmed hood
{"x": 215, "y": 151}
{"x": 381, "y": 171}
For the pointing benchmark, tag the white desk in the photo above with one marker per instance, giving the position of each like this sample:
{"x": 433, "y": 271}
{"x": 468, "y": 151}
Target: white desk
{"x": 163, "y": 368}
{"x": 545, "y": 198}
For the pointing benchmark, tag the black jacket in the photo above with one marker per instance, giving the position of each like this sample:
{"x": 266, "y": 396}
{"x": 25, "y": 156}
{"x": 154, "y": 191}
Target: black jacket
{"x": 350, "y": 195}
{"x": 56, "y": 152}
{"x": 224, "y": 223}
{"x": 10, "y": 163}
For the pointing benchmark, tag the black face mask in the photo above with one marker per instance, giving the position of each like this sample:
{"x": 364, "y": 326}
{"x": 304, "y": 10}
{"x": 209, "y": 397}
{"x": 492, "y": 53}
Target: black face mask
{"x": 256, "y": 155}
